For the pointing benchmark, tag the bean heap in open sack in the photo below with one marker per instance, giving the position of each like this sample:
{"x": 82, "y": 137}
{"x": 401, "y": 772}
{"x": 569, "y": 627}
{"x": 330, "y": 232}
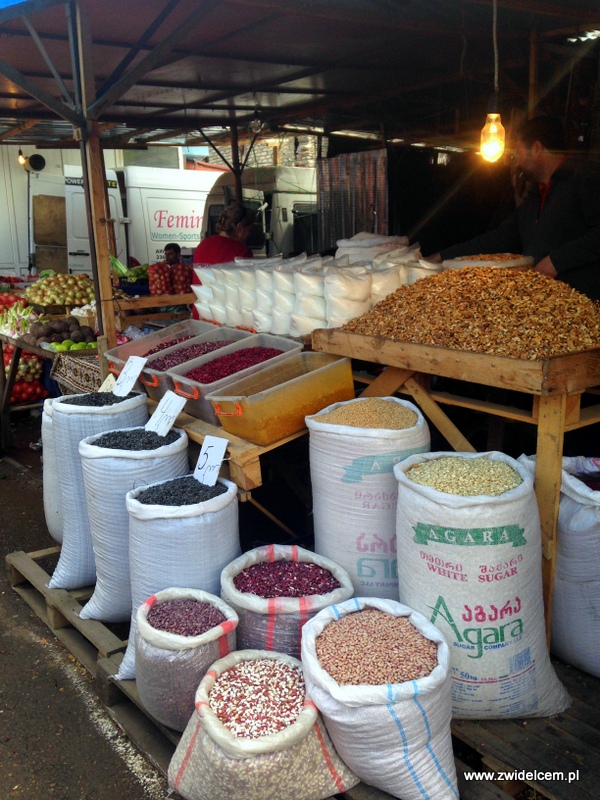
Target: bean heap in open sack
{"x": 504, "y": 312}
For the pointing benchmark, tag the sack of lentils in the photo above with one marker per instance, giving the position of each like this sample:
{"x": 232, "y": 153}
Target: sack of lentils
{"x": 469, "y": 532}
{"x": 256, "y": 735}
{"x": 275, "y": 589}
{"x": 113, "y": 463}
{"x": 180, "y": 632}
{"x": 181, "y": 533}
{"x": 73, "y": 418}
{"x": 353, "y": 448}
{"x": 379, "y": 674}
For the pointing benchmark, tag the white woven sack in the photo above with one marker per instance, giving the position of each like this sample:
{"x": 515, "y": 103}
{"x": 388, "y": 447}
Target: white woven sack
{"x": 169, "y": 666}
{"x": 575, "y": 634}
{"x": 53, "y": 511}
{"x": 276, "y": 623}
{"x": 472, "y": 566}
{"x": 298, "y": 763}
{"x": 71, "y": 423}
{"x": 185, "y": 546}
{"x": 393, "y": 736}
{"x": 108, "y": 475}
{"x": 354, "y": 495}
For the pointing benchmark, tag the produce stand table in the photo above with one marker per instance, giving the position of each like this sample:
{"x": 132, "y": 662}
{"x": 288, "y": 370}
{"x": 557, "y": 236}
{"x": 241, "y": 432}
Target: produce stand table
{"x": 556, "y": 385}
{"x": 125, "y": 305}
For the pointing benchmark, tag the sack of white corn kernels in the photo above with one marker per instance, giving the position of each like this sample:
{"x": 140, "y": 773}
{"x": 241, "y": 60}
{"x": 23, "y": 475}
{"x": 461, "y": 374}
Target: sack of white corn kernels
{"x": 273, "y": 744}
{"x": 471, "y": 562}
{"x": 108, "y": 474}
{"x": 576, "y": 593}
{"x": 272, "y": 617}
{"x": 72, "y": 421}
{"x": 354, "y": 489}
{"x": 53, "y": 511}
{"x": 171, "y": 660}
{"x": 177, "y": 545}
{"x": 387, "y": 709}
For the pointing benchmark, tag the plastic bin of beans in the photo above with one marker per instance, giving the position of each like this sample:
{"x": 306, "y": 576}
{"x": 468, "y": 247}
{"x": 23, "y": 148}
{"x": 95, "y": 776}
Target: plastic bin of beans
{"x": 210, "y": 373}
{"x": 379, "y": 674}
{"x": 179, "y": 633}
{"x": 255, "y": 735}
{"x": 275, "y": 589}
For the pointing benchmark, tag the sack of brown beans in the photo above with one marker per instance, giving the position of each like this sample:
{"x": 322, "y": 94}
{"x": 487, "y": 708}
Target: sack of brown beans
{"x": 113, "y": 463}
{"x": 275, "y": 589}
{"x": 379, "y": 674}
{"x": 180, "y": 632}
{"x": 353, "y": 448}
{"x": 469, "y": 532}
{"x": 73, "y": 418}
{"x": 177, "y": 539}
{"x": 256, "y": 735}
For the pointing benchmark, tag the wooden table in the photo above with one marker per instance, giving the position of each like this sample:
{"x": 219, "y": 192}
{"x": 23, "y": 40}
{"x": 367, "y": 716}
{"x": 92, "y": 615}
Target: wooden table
{"x": 555, "y": 384}
{"x": 126, "y": 304}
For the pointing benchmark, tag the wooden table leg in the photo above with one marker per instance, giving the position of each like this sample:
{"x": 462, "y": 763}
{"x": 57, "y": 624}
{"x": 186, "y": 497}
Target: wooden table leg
{"x": 387, "y": 382}
{"x": 548, "y": 474}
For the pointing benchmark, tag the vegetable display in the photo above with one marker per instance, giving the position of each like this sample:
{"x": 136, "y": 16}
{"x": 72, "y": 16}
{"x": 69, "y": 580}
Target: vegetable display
{"x": 16, "y": 317}
{"x": 61, "y": 289}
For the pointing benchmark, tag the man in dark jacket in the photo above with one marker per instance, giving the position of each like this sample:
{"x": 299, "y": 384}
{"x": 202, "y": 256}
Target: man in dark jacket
{"x": 558, "y": 223}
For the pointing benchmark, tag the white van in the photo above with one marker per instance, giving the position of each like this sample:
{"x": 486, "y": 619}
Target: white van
{"x": 288, "y": 223}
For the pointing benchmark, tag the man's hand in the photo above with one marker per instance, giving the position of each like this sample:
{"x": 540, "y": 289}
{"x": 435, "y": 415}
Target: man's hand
{"x": 546, "y": 267}
{"x": 435, "y": 258}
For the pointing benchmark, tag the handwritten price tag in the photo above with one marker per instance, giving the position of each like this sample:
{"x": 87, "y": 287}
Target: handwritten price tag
{"x": 165, "y": 413}
{"x": 108, "y": 384}
{"x": 129, "y": 375}
{"x": 210, "y": 460}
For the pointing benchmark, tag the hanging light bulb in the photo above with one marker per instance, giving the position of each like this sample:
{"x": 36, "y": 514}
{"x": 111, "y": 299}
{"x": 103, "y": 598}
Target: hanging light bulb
{"x": 492, "y": 138}
{"x": 21, "y": 158}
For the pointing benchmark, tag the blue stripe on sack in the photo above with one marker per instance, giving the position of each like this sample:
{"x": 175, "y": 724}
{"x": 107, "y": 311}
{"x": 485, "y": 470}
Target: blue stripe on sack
{"x": 410, "y": 767}
{"x": 439, "y": 767}
{"x": 336, "y": 611}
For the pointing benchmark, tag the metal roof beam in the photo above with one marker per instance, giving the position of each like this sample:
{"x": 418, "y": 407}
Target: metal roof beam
{"x": 35, "y": 91}
{"x": 18, "y": 129}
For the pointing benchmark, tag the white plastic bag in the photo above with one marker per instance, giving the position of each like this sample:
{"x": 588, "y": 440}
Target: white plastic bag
{"x": 366, "y": 246}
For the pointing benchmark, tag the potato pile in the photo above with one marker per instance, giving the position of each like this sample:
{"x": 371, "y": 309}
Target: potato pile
{"x": 59, "y": 331}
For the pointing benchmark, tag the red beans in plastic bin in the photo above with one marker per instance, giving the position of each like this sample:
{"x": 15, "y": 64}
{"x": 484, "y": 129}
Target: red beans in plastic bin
{"x": 170, "y": 343}
{"x": 232, "y": 362}
{"x": 169, "y": 360}
{"x": 185, "y": 617}
{"x": 285, "y": 579}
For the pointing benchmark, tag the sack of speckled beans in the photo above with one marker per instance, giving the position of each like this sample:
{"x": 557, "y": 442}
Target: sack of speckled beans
{"x": 379, "y": 674}
{"x": 353, "y": 447}
{"x": 469, "y": 533}
{"x": 255, "y": 734}
{"x": 275, "y": 589}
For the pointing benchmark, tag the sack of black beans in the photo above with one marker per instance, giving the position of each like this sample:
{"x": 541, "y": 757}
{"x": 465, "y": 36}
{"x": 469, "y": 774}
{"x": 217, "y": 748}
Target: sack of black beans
{"x": 53, "y": 511}
{"x": 176, "y": 538}
{"x": 113, "y": 463}
{"x": 469, "y": 533}
{"x": 256, "y": 735}
{"x": 379, "y": 674}
{"x": 353, "y": 448}
{"x": 275, "y": 589}
{"x": 73, "y": 418}
{"x": 179, "y": 634}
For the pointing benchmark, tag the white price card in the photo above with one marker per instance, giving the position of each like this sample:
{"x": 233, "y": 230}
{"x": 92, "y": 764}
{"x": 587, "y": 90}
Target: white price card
{"x": 165, "y": 413}
{"x": 210, "y": 459}
{"x": 129, "y": 375}
{"x": 108, "y": 384}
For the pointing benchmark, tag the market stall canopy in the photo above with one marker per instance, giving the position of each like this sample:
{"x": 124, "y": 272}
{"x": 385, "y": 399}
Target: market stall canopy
{"x": 177, "y": 71}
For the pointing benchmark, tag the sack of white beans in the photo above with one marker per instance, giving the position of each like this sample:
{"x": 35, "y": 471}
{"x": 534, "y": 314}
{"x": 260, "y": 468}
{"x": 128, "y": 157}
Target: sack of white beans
{"x": 73, "y": 418}
{"x": 256, "y": 735}
{"x": 379, "y": 674}
{"x": 275, "y": 589}
{"x": 53, "y": 511}
{"x": 354, "y": 489}
{"x": 177, "y": 545}
{"x": 469, "y": 536}
{"x": 179, "y": 633}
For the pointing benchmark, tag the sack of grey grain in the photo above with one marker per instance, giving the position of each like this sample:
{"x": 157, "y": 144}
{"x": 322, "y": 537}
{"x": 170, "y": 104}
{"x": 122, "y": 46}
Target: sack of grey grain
{"x": 353, "y": 448}
{"x": 256, "y": 735}
{"x": 277, "y": 599}
{"x": 109, "y": 472}
{"x": 73, "y": 418}
{"x": 53, "y": 511}
{"x": 469, "y": 532}
{"x": 379, "y": 674}
{"x": 177, "y": 545}
{"x": 172, "y": 657}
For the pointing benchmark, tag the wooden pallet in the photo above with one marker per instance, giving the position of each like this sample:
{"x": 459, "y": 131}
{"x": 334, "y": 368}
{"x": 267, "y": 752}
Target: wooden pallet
{"x": 567, "y": 742}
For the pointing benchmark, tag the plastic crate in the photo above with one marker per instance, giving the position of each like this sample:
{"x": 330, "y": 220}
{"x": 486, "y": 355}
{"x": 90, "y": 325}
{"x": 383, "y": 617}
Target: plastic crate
{"x": 273, "y": 403}
{"x": 197, "y": 403}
